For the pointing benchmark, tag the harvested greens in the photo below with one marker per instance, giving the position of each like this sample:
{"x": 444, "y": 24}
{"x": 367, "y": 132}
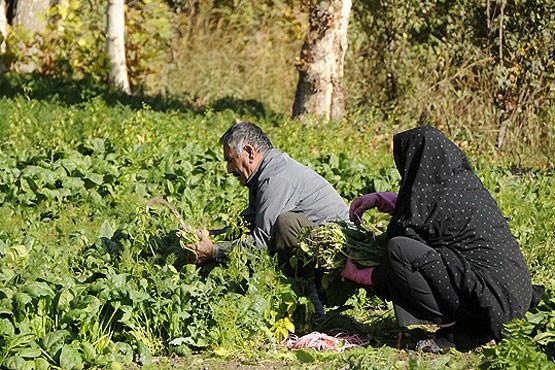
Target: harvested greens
{"x": 329, "y": 245}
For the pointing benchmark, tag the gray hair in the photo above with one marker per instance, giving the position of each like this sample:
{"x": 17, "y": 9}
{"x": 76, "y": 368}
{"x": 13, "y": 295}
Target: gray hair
{"x": 243, "y": 133}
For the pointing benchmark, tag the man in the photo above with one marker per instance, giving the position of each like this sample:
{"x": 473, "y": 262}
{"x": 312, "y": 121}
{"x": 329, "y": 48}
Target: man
{"x": 284, "y": 197}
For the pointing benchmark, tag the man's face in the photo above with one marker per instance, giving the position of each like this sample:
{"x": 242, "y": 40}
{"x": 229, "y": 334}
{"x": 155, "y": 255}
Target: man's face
{"x": 238, "y": 165}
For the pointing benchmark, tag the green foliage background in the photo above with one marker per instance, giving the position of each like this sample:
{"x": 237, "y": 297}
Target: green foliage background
{"x": 481, "y": 70}
{"x": 80, "y": 285}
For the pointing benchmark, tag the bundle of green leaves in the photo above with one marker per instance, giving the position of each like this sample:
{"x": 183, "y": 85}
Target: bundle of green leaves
{"x": 328, "y": 246}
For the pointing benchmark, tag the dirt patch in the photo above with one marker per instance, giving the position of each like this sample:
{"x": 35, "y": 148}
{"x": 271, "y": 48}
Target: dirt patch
{"x": 214, "y": 364}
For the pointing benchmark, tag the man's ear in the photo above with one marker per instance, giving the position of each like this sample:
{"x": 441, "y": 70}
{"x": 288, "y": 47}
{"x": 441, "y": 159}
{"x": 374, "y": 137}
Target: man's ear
{"x": 251, "y": 152}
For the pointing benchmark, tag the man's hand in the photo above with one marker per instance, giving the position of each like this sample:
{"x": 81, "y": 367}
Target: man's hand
{"x": 204, "y": 249}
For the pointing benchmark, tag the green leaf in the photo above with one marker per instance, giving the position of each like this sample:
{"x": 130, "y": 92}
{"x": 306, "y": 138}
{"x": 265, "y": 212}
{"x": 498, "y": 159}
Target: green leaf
{"x": 20, "y": 301}
{"x": 538, "y": 317}
{"x": 95, "y": 178}
{"x": 65, "y": 296}
{"x": 106, "y": 230}
{"x": 380, "y": 185}
{"x": 70, "y": 358}
{"x": 33, "y": 351}
{"x": 288, "y": 324}
{"x": 14, "y": 363}
{"x": 17, "y": 253}
{"x": 73, "y": 183}
{"x": 28, "y": 185}
{"x": 22, "y": 341}
{"x": 221, "y": 352}
{"x": 6, "y": 327}
{"x": 144, "y": 356}
{"x": 85, "y": 309}
{"x": 304, "y": 356}
{"x": 200, "y": 343}
{"x": 39, "y": 289}
{"x": 125, "y": 352}
{"x": 41, "y": 364}
{"x": 182, "y": 350}
{"x": 52, "y": 338}
{"x": 138, "y": 296}
{"x": 115, "y": 365}
{"x": 545, "y": 338}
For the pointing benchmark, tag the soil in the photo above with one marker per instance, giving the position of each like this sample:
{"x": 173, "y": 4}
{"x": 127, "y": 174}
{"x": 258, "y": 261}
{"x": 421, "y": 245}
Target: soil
{"x": 214, "y": 364}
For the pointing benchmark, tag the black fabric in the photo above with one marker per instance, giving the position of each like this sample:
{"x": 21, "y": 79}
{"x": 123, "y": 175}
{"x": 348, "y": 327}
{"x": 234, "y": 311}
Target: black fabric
{"x": 418, "y": 283}
{"x": 444, "y": 205}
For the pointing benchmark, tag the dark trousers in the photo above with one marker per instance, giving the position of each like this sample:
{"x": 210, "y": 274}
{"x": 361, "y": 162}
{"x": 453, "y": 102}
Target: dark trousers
{"x": 415, "y": 278}
{"x": 284, "y": 243}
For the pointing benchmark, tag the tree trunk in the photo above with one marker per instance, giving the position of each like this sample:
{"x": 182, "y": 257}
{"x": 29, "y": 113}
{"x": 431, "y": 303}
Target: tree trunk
{"x": 3, "y": 34}
{"x": 31, "y": 14}
{"x": 320, "y": 89}
{"x": 391, "y": 32}
{"x": 115, "y": 40}
{"x": 3, "y": 26}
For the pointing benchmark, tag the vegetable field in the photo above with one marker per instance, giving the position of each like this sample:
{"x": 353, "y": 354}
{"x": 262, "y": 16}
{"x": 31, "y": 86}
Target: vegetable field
{"x": 88, "y": 279}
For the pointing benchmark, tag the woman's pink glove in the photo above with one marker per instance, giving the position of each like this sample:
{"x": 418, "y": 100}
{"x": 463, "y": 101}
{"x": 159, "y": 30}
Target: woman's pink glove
{"x": 384, "y": 201}
{"x": 352, "y": 272}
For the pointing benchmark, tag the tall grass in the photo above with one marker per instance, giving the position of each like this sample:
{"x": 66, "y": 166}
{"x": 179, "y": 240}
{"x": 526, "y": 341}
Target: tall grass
{"x": 452, "y": 82}
{"x": 244, "y": 52}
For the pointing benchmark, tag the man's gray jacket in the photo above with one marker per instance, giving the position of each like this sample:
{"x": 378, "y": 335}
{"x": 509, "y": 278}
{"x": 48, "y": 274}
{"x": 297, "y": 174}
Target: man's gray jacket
{"x": 280, "y": 184}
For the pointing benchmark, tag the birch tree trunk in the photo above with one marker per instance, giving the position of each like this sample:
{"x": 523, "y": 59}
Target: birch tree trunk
{"x": 320, "y": 87}
{"x": 3, "y": 26}
{"x": 115, "y": 40}
{"x": 31, "y": 14}
{"x": 3, "y": 34}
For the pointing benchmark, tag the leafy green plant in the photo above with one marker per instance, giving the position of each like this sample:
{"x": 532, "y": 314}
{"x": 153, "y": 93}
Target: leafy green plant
{"x": 530, "y": 342}
{"x": 88, "y": 279}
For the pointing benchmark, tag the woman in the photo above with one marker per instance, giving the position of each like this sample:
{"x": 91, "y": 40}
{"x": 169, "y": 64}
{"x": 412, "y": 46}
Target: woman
{"x": 451, "y": 258}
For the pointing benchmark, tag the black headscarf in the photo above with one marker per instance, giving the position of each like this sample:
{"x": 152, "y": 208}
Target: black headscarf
{"x": 443, "y": 204}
